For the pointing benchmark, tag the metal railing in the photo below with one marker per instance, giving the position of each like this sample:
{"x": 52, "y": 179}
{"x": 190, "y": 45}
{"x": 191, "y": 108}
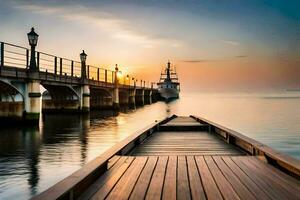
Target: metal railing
{"x": 19, "y": 57}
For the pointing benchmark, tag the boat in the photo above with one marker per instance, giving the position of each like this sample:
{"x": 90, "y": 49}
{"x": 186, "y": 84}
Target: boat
{"x": 168, "y": 85}
{"x": 183, "y": 157}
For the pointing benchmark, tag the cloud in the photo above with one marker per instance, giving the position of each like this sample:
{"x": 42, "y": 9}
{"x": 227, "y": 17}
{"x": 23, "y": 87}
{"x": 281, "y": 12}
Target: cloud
{"x": 230, "y": 42}
{"x": 117, "y": 27}
{"x": 198, "y": 61}
{"x": 212, "y": 60}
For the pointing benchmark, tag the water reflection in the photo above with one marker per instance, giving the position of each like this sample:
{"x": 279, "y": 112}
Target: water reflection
{"x": 34, "y": 158}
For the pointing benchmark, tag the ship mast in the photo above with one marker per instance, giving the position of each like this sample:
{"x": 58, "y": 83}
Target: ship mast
{"x": 168, "y": 72}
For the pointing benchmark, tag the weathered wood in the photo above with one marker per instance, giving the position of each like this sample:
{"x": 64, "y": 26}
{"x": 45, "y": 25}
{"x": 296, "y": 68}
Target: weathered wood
{"x": 112, "y": 161}
{"x": 169, "y": 190}
{"x": 79, "y": 181}
{"x": 156, "y": 184}
{"x": 248, "y": 182}
{"x": 185, "y": 143}
{"x": 105, "y": 177}
{"x": 112, "y": 180}
{"x": 127, "y": 182}
{"x": 268, "y": 178}
{"x": 259, "y": 180}
{"x": 209, "y": 185}
{"x": 143, "y": 182}
{"x": 197, "y": 191}
{"x": 183, "y": 169}
{"x": 288, "y": 163}
{"x": 235, "y": 182}
{"x": 279, "y": 175}
{"x": 223, "y": 185}
{"x": 183, "y": 188}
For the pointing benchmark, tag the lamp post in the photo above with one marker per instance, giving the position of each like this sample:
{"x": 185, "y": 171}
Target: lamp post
{"x": 133, "y": 81}
{"x": 32, "y": 39}
{"x": 83, "y": 67}
{"x": 116, "y": 75}
{"x": 127, "y": 79}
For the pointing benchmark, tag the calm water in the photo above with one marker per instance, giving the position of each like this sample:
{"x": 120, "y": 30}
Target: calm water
{"x": 33, "y": 159}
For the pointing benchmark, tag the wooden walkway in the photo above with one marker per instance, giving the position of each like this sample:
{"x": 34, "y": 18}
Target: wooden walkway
{"x": 169, "y": 161}
{"x": 185, "y": 143}
{"x": 192, "y": 177}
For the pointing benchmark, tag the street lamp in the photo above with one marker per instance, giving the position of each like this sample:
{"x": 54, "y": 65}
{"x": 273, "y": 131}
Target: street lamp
{"x": 32, "y": 39}
{"x": 83, "y": 68}
{"x": 116, "y": 75}
{"x": 127, "y": 79}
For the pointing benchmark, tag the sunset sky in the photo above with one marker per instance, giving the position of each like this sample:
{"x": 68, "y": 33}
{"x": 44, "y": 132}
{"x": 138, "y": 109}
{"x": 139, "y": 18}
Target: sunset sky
{"x": 215, "y": 45}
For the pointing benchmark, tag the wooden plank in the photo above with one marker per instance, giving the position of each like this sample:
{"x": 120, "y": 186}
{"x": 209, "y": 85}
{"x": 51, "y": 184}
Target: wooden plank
{"x": 76, "y": 183}
{"x": 271, "y": 189}
{"x": 245, "y": 179}
{"x": 112, "y": 180}
{"x": 280, "y": 176}
{"x": 197, "y": 191}
{"x": 183, "y": 188}
{"x": 235, "y": 182}
{"x": 112, "y": 161}
{"x": 142, "y": 184}
{"x": 209, "y": 185}
{"x": 157, "y": 181}
{"x": 223, "y": 185}
{"x": 270, "y": 179}
{"x": 284, "y": 161}
{"x": 169, "y": 189}
{"x": 181, "y": 143}
{"x": 125, "y": 185}
{"x": 105, "y": 177}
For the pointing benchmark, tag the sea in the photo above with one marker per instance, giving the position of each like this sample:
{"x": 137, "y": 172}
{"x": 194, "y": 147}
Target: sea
{"x": 33, "y": 158}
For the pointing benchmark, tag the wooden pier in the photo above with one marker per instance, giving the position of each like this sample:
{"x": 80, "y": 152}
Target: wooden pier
{"x": 184, "y": 158}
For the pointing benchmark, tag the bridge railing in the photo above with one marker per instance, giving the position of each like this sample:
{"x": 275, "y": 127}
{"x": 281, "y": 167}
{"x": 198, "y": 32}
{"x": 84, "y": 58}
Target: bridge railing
{"x": 16, "y": 57}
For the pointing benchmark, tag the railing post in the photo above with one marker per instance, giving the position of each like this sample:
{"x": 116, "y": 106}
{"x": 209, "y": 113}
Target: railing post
{"x": 27, "y": 58}
{"x": 72, "y": 68}
{"x": 88, "y": 72}
{"x": 38, "y": 60}
{"x": 2, "y": 54}
{"x": 60, "y": 66}
{"x": 98, "y": 74}
{"x": 105, "y": 76}
{"x": 55, "y": 65}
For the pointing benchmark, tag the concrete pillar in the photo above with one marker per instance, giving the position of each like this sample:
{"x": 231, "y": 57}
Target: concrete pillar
{"x": 140, "y": 97}
{"x": 116, "y": 103}
{"x": 32, "y": 100}
{"x": 132, "y": 98}
{"x": 85, "y": 105}
{"x": 150, "y": 97}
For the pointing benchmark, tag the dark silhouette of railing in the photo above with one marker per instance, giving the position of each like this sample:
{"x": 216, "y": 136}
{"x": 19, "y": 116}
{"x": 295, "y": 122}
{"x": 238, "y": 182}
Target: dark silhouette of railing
{"x": 16, "y": 59}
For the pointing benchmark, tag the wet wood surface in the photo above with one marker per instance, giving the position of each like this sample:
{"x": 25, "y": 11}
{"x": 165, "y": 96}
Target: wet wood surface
{"x": 194, "y": 177}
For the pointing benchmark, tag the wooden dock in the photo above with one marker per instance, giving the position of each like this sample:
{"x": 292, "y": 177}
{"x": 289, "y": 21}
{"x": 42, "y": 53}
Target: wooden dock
{"x": 184, "y": 158}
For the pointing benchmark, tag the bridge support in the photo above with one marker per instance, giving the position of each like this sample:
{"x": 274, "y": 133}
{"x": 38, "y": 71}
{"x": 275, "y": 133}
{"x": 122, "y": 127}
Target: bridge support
{"x": 139, "y": 97}
{"x": 131, "y": 98}
{"x": 148, "y": 96}
{"x": 116, "y": 103}
{"x": 85, "y": 102}
{"x": 32, "y": 101}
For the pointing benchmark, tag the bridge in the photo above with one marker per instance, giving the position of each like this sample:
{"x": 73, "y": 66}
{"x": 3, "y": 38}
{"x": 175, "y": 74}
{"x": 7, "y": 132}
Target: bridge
{"x": 67, "y": 85}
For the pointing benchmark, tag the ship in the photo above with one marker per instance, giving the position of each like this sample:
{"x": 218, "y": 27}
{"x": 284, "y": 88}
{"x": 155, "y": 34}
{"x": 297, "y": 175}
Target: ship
{"x": 168, "y": 85}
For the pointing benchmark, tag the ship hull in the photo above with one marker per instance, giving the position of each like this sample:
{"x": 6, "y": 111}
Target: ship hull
{"x": 168, "y": 93}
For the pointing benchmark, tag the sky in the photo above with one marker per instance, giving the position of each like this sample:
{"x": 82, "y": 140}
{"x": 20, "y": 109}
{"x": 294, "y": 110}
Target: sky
{"x": 215, "y": 45}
